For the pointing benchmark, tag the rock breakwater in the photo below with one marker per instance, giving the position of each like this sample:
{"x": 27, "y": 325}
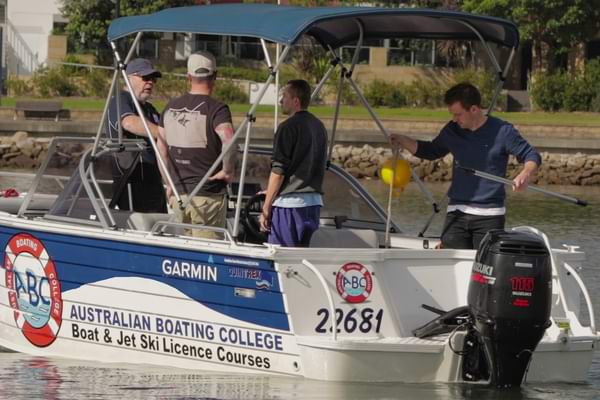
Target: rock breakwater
{"x": 24, "y": 152}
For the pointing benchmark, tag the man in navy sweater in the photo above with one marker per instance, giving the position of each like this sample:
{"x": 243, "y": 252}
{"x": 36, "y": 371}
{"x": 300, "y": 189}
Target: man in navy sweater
{"x": 483, "y": 143}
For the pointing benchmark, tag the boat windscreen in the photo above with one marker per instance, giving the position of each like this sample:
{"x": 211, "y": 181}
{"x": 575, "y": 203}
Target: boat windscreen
{"x": 340, "y": 198}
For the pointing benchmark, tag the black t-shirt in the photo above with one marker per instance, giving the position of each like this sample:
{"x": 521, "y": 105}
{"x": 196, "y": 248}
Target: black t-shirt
{"x": 193, "y": 143}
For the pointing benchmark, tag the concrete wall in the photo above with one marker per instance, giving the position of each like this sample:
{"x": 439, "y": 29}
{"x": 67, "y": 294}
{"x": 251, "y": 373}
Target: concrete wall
{"x": 33, "y": 21}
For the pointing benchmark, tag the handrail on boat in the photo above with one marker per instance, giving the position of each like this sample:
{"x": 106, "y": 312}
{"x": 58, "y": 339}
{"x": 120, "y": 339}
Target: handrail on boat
{"x": 163, "y": 224}
{"x": 569, "y": 269}
{"x": 314, "y": 269}
{"x": 586, "y": 295}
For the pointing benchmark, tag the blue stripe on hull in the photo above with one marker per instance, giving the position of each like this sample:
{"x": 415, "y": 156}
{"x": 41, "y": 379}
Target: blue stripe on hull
{"x": 80, "y": 261}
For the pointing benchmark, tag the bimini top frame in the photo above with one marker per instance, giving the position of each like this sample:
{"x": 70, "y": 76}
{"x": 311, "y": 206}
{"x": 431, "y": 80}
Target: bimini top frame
{"x": 332, "y": 27}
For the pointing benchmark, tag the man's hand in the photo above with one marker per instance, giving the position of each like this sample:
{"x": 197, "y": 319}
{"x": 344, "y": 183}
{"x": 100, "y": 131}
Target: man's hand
{"x": 265, "y": 220}
{"x": 522, "y": 180}
{"x": 400, "y": 142}
{"x": 223, "y": 176}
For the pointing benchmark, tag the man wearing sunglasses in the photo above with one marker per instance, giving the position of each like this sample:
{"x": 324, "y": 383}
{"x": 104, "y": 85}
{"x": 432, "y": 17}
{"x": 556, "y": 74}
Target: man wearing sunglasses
{"x": 137, "y": 183}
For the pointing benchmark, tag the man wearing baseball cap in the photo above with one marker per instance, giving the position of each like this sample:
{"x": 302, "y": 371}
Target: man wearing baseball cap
{"x": 136, "y": 175}
{"x": 194, "y": 129}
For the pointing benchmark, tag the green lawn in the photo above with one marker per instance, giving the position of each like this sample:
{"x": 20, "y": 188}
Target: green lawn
{"x": 409, "y": 114}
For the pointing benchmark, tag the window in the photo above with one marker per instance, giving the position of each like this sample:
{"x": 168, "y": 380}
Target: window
{"x": 148, "y": 48}
{"x": 411, "y": 52}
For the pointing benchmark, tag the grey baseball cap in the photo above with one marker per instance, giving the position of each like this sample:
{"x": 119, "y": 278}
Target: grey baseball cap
{"x": 142, "y": 67}
{"x": 201, "y": 64}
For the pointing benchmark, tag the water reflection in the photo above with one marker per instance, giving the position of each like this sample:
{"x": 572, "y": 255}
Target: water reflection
{"x": 27, "y": 377}
{"x": 30, "y": 377}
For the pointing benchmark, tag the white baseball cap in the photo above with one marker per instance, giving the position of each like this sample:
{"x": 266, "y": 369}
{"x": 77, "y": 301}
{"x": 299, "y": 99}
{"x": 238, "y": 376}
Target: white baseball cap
{"x": 201, "y": 64}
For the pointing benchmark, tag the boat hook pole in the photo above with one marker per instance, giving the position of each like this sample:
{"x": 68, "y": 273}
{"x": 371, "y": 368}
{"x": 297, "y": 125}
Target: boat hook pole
{"x": 388, "y": 222}
{"x": 508, "y": 182}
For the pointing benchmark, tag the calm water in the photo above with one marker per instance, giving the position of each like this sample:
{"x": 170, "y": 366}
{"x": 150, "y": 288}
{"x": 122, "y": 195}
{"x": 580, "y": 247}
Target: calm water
{"x": 26, "y": 377}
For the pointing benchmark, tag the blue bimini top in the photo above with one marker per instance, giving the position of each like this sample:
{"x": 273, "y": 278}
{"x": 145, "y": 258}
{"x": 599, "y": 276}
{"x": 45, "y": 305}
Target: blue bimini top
{"x": 330, "y": 26}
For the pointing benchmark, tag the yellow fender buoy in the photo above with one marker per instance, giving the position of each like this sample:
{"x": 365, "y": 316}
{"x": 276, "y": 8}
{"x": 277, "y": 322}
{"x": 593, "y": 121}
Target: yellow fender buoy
{"x": 402, "y": 176}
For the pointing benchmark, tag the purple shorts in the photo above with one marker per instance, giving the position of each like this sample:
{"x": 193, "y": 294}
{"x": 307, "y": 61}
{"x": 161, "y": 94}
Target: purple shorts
{"x": 293, "y": 227}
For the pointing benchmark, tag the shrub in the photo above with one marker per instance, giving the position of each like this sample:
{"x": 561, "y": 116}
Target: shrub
{"x": 592, "y": 74}
{"x": 595, "y": 104}
{"x": 170, "y": 86}
{"x": 230, "y": 93}
{"x": 349, "y": 96}
{"x": 96, "y": 83}
{"x": 71, "y": 70}
{"x": 51, "y": 82}
{"x": 547, "y": 90}
{"x": 384, "y": 94}
{"x": 426, "y": 94}
{"x": 484, "y": 80}
{"x": 18, "y": 87}
{"x": 578, "y": 95}
{"x": 248, "y": 74}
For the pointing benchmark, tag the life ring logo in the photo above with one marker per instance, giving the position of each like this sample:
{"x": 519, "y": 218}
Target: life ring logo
{"x": 354, "y": 282}
{"x": 33, "y": 289}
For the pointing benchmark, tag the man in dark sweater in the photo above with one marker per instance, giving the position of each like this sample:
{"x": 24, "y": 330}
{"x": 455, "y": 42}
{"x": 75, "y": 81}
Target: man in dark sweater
{"x": 293, "y": 197}
{"x": 483, "y": 143}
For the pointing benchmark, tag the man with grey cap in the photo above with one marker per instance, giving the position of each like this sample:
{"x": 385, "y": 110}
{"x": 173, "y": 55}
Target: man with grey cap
{"x": 136, "y": 178}
{"x": 194, "y": 129}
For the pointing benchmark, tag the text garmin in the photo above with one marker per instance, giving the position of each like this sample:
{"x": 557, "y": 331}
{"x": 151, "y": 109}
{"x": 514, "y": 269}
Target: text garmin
{"x": 184, "y": 269}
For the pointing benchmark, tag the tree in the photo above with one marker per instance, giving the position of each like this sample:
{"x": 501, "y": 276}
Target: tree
{"x": 553, "y": 26}
{"x": 89, "y": 20}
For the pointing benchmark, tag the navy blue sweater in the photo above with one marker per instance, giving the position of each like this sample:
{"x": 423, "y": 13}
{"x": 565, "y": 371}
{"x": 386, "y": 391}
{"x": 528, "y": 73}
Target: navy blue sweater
{"x": 485, "y": 149}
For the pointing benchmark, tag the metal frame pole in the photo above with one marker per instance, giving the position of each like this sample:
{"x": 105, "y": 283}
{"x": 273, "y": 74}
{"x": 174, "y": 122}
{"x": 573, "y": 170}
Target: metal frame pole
{"x": 88, "y": 188}
{"x": 501, "y": 74}
{"x": 105, "y": 111}
{"x": 317, "y": 90}
{"x": 276, "y": 111}
{"x": 238, "y": 208}
{"x": 138, "y": 108}
{"x": 336, "y": 113}
{"x": 377, "y": 121}
{"x": 249, "y": 116}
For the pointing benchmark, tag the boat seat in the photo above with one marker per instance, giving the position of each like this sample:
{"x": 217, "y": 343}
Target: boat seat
{"x": 328, "y": 237}
{"x": 145, "y": 221}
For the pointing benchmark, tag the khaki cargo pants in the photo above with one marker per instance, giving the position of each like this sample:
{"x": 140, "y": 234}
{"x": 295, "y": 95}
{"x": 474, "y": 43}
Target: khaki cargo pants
{"x": 202, "y": 210}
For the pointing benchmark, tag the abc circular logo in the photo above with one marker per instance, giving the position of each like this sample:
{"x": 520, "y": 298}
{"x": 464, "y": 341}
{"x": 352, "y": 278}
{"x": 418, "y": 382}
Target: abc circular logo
{"x": 33, "y": 289}
{"x": 354, "y": 282}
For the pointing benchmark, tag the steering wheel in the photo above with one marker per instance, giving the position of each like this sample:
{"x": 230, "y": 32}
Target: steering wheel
{"x": 250, "y": 221}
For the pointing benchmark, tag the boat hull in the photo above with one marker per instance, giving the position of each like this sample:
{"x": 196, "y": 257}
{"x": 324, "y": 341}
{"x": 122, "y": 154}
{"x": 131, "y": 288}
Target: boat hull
{"x": 136, "y": 298}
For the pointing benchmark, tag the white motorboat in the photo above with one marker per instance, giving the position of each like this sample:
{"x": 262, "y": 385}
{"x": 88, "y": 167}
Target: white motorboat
{"x": 82, "y": 280}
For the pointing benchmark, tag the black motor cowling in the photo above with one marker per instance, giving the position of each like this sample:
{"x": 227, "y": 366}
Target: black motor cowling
{"x": 509, "y": 298}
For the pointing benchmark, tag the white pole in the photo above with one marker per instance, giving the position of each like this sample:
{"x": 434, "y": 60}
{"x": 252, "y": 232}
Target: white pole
{"x": 276, "y": 116}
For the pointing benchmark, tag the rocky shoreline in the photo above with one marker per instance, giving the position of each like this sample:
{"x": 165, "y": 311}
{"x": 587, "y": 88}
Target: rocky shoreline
{"x": 23, "y": 152}
{"x": 556, "y": 169}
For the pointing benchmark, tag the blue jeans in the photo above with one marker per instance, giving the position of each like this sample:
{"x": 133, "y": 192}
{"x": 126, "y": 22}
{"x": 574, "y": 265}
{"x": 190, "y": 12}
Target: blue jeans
{"x": 465, "y": 231}
{"x": 294, "y": 227}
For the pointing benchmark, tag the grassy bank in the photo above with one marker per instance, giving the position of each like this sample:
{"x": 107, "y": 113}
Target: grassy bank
{"x": 408, "y": 114}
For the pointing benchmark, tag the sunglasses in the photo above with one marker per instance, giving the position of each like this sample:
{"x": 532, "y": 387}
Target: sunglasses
{"x": 152, "y": 79}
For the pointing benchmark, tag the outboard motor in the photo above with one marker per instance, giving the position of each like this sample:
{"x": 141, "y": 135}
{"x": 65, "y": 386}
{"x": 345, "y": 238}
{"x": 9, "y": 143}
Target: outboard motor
{"x": 509, "y": 299}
